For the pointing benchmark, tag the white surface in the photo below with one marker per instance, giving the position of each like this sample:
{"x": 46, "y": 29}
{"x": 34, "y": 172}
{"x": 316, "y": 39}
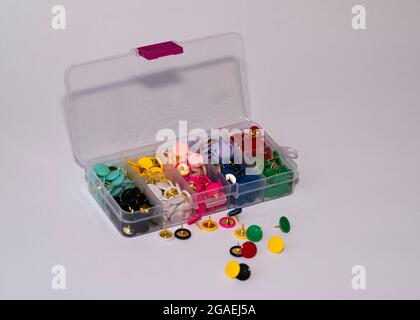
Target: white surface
{"x": 347, "y": 100}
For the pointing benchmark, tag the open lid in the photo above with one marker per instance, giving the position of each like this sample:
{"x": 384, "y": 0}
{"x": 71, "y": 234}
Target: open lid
{"x": 120, "y": 103}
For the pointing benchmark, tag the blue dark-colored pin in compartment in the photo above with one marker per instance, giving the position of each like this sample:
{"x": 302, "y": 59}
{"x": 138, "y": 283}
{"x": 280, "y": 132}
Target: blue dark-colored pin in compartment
{"x": 246, "y": 186}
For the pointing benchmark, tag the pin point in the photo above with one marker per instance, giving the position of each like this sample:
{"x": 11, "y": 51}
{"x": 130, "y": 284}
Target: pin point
{"x": 240, "y": 233}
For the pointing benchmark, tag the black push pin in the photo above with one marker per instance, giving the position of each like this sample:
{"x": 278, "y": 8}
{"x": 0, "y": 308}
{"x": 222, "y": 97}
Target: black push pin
{"x": 236, "y": 251}
{"x": 182, "y": 233}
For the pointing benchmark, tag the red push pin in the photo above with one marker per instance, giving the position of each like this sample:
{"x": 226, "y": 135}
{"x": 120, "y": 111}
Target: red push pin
{"x": 249, "y": 250}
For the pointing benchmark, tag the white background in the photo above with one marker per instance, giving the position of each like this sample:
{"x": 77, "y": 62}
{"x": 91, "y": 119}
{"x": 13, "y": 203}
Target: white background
{"x": 347, "y": 100}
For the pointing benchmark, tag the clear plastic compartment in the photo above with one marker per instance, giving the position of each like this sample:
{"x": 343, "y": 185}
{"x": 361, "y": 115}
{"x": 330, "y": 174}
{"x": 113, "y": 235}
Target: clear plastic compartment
{"x": 117, "y": 105}
{"x": 235, "y": 195}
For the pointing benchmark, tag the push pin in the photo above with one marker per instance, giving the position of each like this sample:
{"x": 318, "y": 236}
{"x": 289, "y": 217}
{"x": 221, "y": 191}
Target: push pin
{"x": 232, "y": 269}
{"x": 128, "y": 230}
{"x": 254, "y": 233}
{"x": 240, "y": 233}
{"x": 227, "y": 222}
{"x": 231, "y": 178}
{"x": 276, "y": 244}
{"x": 284, "y": 225}
{"x": 244, "y": 272}
{"x": 166, "y": 235}
{"x": 182, "y": 233}
{"x": 235, "y": 213}
{"x": 249, "y": 250}
{"x": 209, "y": 225}
{"x": 235, "y": 270}
{"x": 236, "y": 251}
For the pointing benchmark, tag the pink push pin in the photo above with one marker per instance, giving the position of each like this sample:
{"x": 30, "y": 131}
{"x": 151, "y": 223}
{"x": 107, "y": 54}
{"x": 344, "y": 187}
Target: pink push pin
{"x": 195, "y": 159}
{"x": 194, "y": 219}
{"x": 213, "y": 189}
{"x": 196, "y": 184}
{"x": 206, "y": 181}
{"x": 180, "y": 149}
{"x": 227, "y": 222}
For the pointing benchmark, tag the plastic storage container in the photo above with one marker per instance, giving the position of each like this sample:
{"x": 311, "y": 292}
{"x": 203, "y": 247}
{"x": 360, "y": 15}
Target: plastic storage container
{"x": 117, "y": 105}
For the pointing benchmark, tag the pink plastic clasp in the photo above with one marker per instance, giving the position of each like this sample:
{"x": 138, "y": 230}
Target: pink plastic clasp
{"x": 158, "y": 50}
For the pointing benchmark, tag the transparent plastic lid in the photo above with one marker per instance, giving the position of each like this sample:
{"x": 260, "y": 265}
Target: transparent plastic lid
{"x": 120, "y": 103}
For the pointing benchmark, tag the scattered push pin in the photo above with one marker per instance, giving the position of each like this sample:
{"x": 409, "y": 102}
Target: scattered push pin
{"x": 236, "y": 251}
{"x": 254, "y": 233}
{"x": 182, "y": 233}
{"x": 249, "y": 250}
{"x": 240, "y": 233}
{"x": 227, "y": 222}
{"x": 166, "y": 235}
{"x": 235, "y": 213}
{"x": 209, "y": 225}
{"x": 244, "y": 272}
{"x": 276, "y": 244}
{"x": 284, "y": 225}
{"x": 232, "y": 269}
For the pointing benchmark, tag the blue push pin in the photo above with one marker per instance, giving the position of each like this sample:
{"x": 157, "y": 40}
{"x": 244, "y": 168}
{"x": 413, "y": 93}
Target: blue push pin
{"x": 235, "y": 213}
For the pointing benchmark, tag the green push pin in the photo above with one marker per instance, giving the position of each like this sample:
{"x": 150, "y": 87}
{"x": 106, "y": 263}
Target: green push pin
{"x": 119, "y": 179}
{"x": 284, "y": 225}
{"x": 254, "y": 233}
{"x": 101, "y": 170}
{"x": 112, "y": 175}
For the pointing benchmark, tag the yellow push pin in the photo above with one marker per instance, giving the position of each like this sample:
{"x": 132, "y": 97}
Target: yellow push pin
{"x": 145, "y": 162}
{"x": 232, "y": 269}
{"x": 276, "y": 244}
{"x": 240, "y": 233}
{"x": 166, "y": 235}
{"x": 209, "y": 225}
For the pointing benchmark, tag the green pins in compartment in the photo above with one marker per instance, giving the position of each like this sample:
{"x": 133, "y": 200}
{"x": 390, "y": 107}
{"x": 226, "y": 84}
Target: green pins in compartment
{"x": 278, "y": 175}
